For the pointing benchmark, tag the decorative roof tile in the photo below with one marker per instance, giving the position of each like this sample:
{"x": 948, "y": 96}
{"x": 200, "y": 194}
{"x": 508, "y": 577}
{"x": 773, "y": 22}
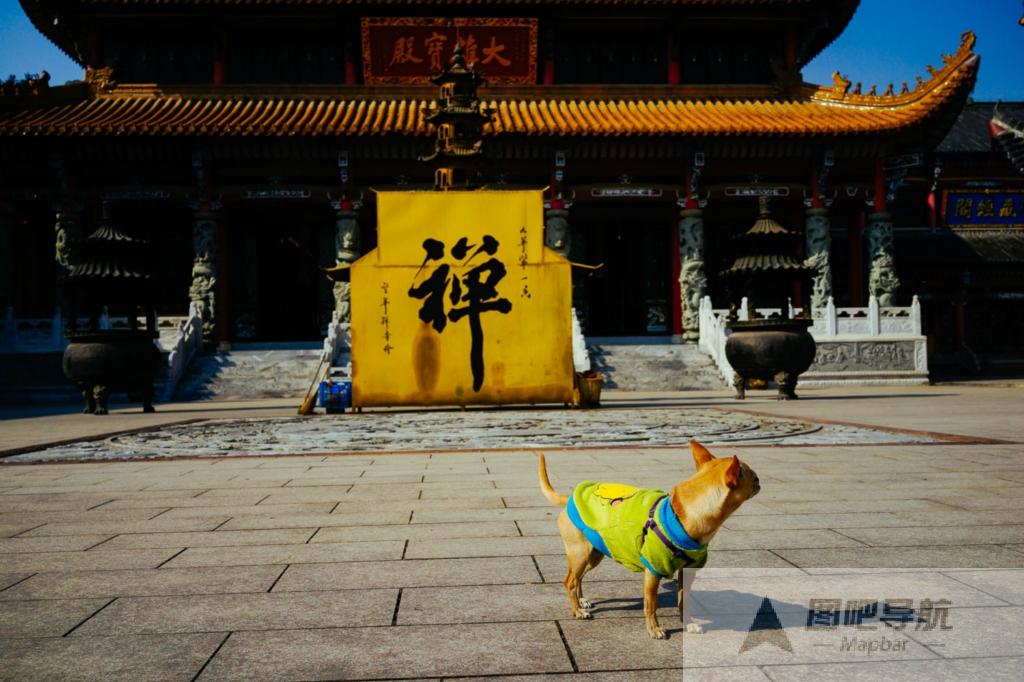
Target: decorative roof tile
{"x": 140, "y": 110}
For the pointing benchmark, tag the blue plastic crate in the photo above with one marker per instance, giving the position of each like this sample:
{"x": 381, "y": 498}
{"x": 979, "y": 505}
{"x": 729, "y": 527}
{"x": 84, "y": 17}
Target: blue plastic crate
{"x": 335, "y": 396}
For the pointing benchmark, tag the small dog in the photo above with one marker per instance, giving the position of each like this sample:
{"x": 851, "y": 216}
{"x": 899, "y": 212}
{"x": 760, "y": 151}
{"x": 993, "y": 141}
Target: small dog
{"x": 648, "y": 531}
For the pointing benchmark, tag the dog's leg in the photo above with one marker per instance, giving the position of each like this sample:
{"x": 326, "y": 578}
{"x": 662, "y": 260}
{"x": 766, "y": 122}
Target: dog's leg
{"x": 651, "y": 583}
{"x": 578, "y": 552}
{"x": 684, "y": 582}
{"x": 592, "y": 562}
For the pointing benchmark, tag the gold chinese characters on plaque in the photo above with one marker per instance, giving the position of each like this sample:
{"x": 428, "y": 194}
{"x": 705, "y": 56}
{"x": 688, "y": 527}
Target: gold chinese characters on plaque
{"x": 407, "y": 50}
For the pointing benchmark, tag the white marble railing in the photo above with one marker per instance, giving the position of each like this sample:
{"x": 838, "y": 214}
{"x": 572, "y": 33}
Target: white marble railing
{"x": 338, "y": 344}
{"x": 186, "y": 344}
{"x": 872, "y": 324}
{"x": 46, "y": 334}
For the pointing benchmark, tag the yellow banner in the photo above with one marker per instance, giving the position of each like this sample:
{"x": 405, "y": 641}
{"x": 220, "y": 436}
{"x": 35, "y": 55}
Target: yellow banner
{"x": 461, "y": 303}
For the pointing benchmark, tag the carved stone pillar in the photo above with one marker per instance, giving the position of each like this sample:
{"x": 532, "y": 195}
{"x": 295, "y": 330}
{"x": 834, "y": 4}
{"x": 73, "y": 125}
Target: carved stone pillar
{"x": 203, "y": 291}
{"x": 818, "y": 256}
{"x": 346, "y": 250}
{"x": 882, "y": 279}
{"x": 556, "y": 231}
{"x": 693, "y": 281}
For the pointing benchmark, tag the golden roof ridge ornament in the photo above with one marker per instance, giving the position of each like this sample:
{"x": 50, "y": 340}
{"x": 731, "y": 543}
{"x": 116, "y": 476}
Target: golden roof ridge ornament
{"x": 840, "y": 92}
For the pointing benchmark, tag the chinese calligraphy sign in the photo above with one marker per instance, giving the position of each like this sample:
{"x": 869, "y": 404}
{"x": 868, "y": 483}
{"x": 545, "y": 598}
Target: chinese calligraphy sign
{"x": 407, "y": 50}
{"x": 461, "y": 322}
{"x": 983, "y": 208}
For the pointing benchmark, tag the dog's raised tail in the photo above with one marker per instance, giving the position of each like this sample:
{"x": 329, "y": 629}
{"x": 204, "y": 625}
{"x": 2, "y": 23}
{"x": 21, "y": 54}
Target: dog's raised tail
{"x": 554, "y": 497}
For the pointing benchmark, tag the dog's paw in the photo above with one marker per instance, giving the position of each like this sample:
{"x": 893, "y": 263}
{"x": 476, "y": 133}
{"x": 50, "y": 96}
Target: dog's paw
{"x": 586, "y": 603}
{"x": 657, "y": 633}
{"x": 584, "y": 615}
{"x": 694, "y": 629}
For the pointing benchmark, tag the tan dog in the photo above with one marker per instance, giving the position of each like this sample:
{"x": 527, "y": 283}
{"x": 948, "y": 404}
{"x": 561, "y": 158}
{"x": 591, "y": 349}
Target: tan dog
{"x": 648, "y": 531}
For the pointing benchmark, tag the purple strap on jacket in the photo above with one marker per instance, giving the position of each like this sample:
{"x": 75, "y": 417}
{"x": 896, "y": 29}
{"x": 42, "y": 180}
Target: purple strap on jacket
{"x": 653, "y": 525}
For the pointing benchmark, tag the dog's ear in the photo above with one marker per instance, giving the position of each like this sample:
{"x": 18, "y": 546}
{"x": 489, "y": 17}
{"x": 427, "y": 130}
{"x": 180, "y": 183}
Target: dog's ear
{"x": 732, "y": 472}
{"x": 701, "y": 456}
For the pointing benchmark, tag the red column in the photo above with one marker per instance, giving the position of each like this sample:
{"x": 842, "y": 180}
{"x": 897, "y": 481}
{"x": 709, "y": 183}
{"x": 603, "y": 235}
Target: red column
{"x": 673, "y": 62}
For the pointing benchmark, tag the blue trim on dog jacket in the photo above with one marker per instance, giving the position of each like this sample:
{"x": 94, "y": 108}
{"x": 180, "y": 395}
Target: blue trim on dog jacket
{"x": 614, "y": 518}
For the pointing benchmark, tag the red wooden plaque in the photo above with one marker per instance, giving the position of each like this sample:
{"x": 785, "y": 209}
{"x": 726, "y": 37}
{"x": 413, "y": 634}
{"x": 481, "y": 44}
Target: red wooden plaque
{"x": 406, "y": 50}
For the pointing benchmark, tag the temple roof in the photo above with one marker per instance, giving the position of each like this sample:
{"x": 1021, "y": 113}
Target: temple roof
{"x": 107, "y": 109}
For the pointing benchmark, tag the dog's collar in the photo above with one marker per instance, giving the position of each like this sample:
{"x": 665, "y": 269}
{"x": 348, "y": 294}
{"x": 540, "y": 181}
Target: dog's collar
{"x": 674, "y": 535}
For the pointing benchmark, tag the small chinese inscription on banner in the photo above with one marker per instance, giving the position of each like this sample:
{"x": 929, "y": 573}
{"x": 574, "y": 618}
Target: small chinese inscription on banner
{"x": 407, "y": 50}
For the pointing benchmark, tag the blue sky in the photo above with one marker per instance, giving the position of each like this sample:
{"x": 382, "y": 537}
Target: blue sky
{"x": 887, "y": 41}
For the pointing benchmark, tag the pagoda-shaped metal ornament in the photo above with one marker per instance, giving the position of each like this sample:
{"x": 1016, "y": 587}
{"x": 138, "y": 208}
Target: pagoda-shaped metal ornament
{"x": 459, "y": 118}
{"x": 776, "y": 347}
{"x": 112, "y": 276}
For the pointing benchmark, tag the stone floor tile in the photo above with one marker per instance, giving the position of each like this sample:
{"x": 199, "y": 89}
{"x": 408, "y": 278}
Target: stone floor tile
{"x": 157, "y": 525}
{"x": 93, "y": 560}
{"x": 813, "y": 521}
{"x": 366, "y": 518}
{"x": 236, "y": 612}
{"x": 988, "y": 669}
{"x": 54, "y": 543}
{"x": 977, "y": 632}
{"x": 166, "y": 658}
{"x": 417, "y": 531}
{"x": 251, "y": 510}
{"x": 9, "y": 579}
{"x": 470, "y": 547}
{"x": 955, "y": 535}
{"x": 16, "y": 528}
{"x": 453, "y": 503}
{"x": 482, "y": 513}
{"x": 842, "y": 559}
{"x": 501, "y": 603}
{"x": 407, "y": 573}
{"x": 391, "y": 652}
{"x": 44, "y": 618}
{"x": 144, "y": 582}
{"x": 742, "y": 595}
{"x": 195, "y": 498}
{"x": 216, "y": 538}
{"x": 288, "y": 554}
{"x": 480, "y": 491}
{"x": 840, "y": 505}
{"x": 28, "y": 503}
{"x": 622, "y": 644}
{"x": 1006, "y": 585}
{"x": 779, "y": 539}
{"x": 660, "y": 675}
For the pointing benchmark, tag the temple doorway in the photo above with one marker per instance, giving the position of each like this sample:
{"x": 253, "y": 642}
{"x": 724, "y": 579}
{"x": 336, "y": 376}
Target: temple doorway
{"x": 631, "y": 294}
{"x": 276, "y": 285}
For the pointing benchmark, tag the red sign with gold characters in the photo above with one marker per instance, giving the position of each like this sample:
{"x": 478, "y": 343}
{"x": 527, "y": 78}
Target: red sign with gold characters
{"x": 407, "y": 50}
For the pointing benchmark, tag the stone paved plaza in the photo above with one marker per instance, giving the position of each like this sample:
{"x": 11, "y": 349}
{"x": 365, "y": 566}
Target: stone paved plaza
{"x": 445, "y": 562}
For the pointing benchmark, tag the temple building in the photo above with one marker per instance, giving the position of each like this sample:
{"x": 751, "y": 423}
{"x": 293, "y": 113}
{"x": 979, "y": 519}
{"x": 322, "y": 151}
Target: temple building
{"x": 247, "y": 139}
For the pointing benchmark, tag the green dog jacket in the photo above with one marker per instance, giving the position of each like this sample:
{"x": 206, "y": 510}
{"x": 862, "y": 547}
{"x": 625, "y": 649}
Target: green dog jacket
{"x": 635, "y": 527}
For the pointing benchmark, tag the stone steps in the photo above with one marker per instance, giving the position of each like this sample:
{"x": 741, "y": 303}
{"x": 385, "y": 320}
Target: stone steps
{"x": 265, "y": 372}
{"x": 653, "y": 366}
